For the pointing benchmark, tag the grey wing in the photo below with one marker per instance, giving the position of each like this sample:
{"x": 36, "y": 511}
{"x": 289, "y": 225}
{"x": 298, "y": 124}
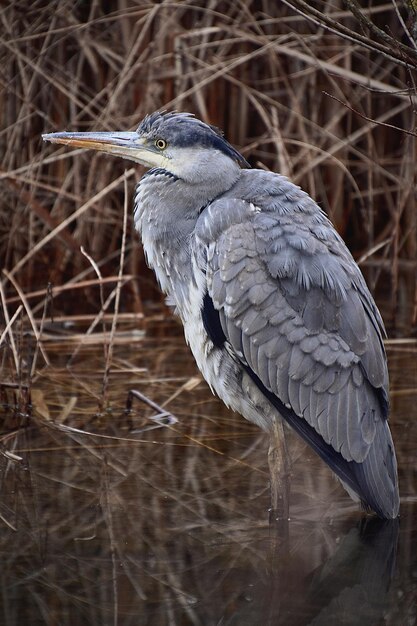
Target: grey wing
{"x": 296, "y": 312}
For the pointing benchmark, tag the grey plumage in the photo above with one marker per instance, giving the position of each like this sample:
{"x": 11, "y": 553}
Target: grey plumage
{"x": 275, "y": 310}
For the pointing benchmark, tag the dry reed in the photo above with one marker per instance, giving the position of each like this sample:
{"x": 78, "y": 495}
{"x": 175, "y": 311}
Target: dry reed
{"x": 323, "y": 93}
{"x": 144, "y": 521}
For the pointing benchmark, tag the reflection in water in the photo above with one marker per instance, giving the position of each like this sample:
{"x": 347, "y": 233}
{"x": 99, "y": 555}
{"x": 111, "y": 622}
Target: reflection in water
{"x": 351, "y": 587}
{"x": 356, "y": 580}
{"x": 169, "y": 526}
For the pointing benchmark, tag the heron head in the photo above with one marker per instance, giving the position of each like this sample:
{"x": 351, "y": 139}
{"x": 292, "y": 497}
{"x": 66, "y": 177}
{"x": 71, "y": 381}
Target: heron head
{"x": 177, "y": 142}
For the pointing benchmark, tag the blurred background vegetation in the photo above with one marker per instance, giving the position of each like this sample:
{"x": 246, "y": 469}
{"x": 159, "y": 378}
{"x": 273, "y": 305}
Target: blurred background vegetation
{"x": 323, "y": 92}
{"x": 173, "y": 521}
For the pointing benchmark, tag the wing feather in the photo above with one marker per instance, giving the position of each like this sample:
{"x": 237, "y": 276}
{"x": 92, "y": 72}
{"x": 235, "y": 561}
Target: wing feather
{"x": 295, "y": 309}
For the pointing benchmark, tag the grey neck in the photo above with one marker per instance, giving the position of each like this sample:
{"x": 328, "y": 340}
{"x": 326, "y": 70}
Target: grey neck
{"x": 166, "y": 211}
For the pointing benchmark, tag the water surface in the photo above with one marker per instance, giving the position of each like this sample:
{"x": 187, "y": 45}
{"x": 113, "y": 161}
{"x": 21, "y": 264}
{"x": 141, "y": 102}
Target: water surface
{"x": 110, "y": 518}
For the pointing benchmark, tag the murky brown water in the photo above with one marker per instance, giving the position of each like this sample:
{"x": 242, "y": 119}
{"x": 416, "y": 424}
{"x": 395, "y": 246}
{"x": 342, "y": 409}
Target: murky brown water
{"x": 140, "y": 524}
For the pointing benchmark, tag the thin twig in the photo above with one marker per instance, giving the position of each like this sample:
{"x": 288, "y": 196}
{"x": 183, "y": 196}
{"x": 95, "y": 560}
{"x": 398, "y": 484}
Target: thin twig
{"x": 370, "y": 119}
{"x": 117, "y": 296}
{"x": 9, "y": 324}
{"x": 28, "y": 310}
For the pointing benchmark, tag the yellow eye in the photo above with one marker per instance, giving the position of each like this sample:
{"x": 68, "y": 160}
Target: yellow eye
{"x": 161, "y": 144}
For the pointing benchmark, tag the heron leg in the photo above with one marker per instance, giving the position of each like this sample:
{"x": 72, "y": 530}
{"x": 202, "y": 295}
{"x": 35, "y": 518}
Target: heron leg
{"x": 279, "y": 469}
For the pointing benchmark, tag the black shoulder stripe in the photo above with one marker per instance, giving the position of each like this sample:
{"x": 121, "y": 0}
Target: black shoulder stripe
{"x": 211, "y": 321}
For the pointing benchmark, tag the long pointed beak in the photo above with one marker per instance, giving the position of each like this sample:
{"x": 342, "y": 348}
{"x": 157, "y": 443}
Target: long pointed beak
{"x": 124, "y": 144}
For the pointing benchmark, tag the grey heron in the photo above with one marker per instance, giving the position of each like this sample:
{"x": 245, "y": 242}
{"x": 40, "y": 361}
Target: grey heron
{"x": 275, "y": 310}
